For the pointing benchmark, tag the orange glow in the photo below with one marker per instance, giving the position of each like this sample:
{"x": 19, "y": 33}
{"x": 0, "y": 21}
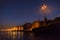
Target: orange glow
{"x": 35, "y": 25}
{"x": 14, "y": 28}
{"x": 10, "y": 29}
{"x": 44, "y": 7}
{"x": 30, "y": 29}
{"x": 21, "y": 27}
{"x": 14, "y": 34}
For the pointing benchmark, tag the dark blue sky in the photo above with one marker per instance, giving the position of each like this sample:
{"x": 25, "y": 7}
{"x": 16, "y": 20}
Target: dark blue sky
{"x": 14, "y": 12}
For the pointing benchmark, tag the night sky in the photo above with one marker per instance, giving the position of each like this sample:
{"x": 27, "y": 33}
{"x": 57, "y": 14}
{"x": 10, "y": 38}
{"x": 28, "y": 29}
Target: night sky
{"x": 15, "y": 12}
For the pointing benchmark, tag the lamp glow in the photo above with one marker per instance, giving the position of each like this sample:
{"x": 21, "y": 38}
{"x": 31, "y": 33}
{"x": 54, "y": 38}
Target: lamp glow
{"x": 44, "y": 8}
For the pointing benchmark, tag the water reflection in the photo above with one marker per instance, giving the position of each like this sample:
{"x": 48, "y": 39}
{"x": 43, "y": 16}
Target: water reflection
{"x": 21, "y": 34}
{"x": 16, "y": 35}
{"x": 28, "y": 36}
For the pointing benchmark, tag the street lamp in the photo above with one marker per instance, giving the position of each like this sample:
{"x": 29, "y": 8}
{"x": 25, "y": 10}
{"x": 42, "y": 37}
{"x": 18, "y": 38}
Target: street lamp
{"x": 44, "y": 10}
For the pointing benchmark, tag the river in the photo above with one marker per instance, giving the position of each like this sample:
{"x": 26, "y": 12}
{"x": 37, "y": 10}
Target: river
{"x": 28, "y": 36}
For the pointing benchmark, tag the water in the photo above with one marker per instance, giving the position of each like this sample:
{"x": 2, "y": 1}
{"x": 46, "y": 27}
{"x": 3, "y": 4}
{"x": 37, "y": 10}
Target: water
{"x": 28, "y": 36}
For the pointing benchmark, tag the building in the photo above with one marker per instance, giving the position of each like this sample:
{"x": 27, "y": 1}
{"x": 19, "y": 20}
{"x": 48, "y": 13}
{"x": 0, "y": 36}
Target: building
{"x": 20, "y": 27}
{"x": 36, "y": 24}
{"x": 27, "y": 26}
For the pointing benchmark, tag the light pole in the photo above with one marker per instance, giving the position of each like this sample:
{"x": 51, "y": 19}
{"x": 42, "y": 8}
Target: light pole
{"x": 44, "y": 10}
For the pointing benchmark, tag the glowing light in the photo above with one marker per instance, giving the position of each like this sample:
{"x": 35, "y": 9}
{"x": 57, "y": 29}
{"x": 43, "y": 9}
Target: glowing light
{"x": 44, "y": 8}
{"x": 14, "y": 34}
{"x": 30, "y": 29}
{"x": 35, "y": 25}
{"x": 21, "y": 27}
{"x": 14, "y": 28}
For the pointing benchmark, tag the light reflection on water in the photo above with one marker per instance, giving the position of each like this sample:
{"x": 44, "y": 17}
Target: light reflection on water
{"x": 27, "y": 36}
{"x": 11, "y": 35}
{"x": 16, "y": 35}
